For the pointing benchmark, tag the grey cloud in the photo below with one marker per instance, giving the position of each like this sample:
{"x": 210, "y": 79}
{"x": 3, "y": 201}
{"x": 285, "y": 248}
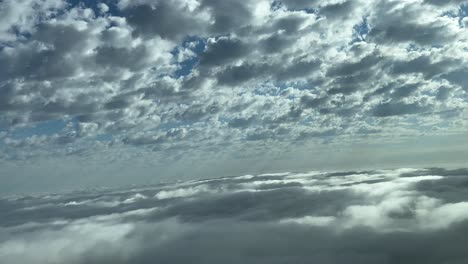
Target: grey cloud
{"x": 223, "y": 50}
{"x": 228, "y": 15}
{"x": 404, "y": 91}
{"x": 447, "y": 2}
{"x": 401, "y": 24}
{"x": 289, "y": 24}
{"x": 397, "y": 109}
{"x": 239, "y": 74}
{"x": 241, "y": 122}
{"x": 300, "y": 4}
{"x": 397, "y": 90}
{"x": 260, "y": 134}
{"x": 330, "y": 9}
{"x": 236, "y": 75}
{"x": 33, "y": 62}
{"x": 113, "y": 57}
{"x": 430, "y": 35}
{"x": 351, "y": 83}
{"x": 118, "y": 103}
{"x": 458, "y": 77}
{"x": 350, "y": 68}
{"x": 314, "y": 134}
{"x": 310, "y": 102}
{"x": 150, "y": 138}
{"x": 21, "y": 17}
{"x": 256, "y": 239}
{"x": 8, "y": 92}
{"x": 339, "y": 9}
{"x": 459, "y": 172}
{"x": 299, "y": 69}
{"x": 424, "y": 65}
{"x": 197, "y": 112}
{"x": 451, "y": 189}
{"x": 275, "y": 43}
{"x": 283, "y": 218}
{"x": 285, "y": 244}
{"x": 443, "y": 93}
{"x": 158, "y": 19}
{"x": 261, "y": 206}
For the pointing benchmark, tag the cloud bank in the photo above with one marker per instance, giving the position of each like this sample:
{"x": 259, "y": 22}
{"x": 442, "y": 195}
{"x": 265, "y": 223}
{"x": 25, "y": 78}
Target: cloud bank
{"x": 380, "y": 216}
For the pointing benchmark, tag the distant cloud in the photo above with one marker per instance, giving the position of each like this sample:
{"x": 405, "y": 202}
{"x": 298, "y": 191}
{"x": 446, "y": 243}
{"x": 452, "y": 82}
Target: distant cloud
{"x": 359, "y": 216}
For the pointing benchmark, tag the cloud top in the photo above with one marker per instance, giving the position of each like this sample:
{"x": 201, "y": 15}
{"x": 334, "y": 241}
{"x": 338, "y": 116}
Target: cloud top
{"x": 385, "y": 216}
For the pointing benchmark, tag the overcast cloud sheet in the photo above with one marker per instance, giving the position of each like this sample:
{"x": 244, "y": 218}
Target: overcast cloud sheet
{"x": 382, "y": 216}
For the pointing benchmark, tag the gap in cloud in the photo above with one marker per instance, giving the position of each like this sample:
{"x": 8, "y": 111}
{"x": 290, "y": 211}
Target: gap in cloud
{"x": 194, "y": 44}
{"x": 275, "y": 5}
{"x": 20, "y": 35}
{"x": 461, "y": 12}
{"x": 360, "y": 31}
{"x": 44, "y": 128}
{"x": 110, "y": 6}
{"x": 310, "y": 11}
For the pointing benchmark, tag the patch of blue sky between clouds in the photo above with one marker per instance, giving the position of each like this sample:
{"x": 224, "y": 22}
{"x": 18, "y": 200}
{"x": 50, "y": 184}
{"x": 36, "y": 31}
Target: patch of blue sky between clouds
{"x": 50, "y": 128}
{"x": 197, "y": 46}
{"x": 45, "y": 128}
{"x": 361, "y": 30}
{"x": 95, "y": 6}
{"x": 461, "y": 13}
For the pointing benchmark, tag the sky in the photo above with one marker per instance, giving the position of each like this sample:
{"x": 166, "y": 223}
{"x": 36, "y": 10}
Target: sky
{"x": 118, "y": 92}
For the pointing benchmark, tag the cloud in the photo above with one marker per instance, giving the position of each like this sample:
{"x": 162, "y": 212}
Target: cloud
{"x": 157, "y": 19}
{"x": 395, "y": 109}
{"x": 180, "y": 80}
{"x": 414, "y": 29}
{"x": 441, "y": 3}
{"x": 329, "y": 217}
{"x": 223, "y": 50}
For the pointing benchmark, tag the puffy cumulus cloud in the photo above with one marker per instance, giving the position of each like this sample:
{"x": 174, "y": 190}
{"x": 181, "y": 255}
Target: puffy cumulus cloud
{"x": 202, "y": 75}
{"x": 385, "y": 216}
{"x": 21, "y": 17}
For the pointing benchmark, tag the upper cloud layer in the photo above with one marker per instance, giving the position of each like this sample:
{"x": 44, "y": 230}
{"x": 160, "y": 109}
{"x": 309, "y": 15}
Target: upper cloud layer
{"x": 202, "y": 75}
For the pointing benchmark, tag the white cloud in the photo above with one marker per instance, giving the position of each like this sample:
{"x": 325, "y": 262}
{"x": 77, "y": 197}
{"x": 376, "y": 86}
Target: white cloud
{"x": 219, "y": 218}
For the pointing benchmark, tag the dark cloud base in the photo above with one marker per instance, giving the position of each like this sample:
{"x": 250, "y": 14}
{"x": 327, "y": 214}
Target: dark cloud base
{"x": 381, "y": 216}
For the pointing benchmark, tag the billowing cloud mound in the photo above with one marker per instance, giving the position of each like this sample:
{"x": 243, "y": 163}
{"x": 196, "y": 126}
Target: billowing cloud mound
{"x": 381, "y": 216}
{"x": 181, "y": 78}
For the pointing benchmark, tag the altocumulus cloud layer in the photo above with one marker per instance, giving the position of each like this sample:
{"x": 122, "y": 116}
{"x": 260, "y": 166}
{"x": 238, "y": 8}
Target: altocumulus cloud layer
{"x": 380, "y": 216}
{"x": 168, "y": 80}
